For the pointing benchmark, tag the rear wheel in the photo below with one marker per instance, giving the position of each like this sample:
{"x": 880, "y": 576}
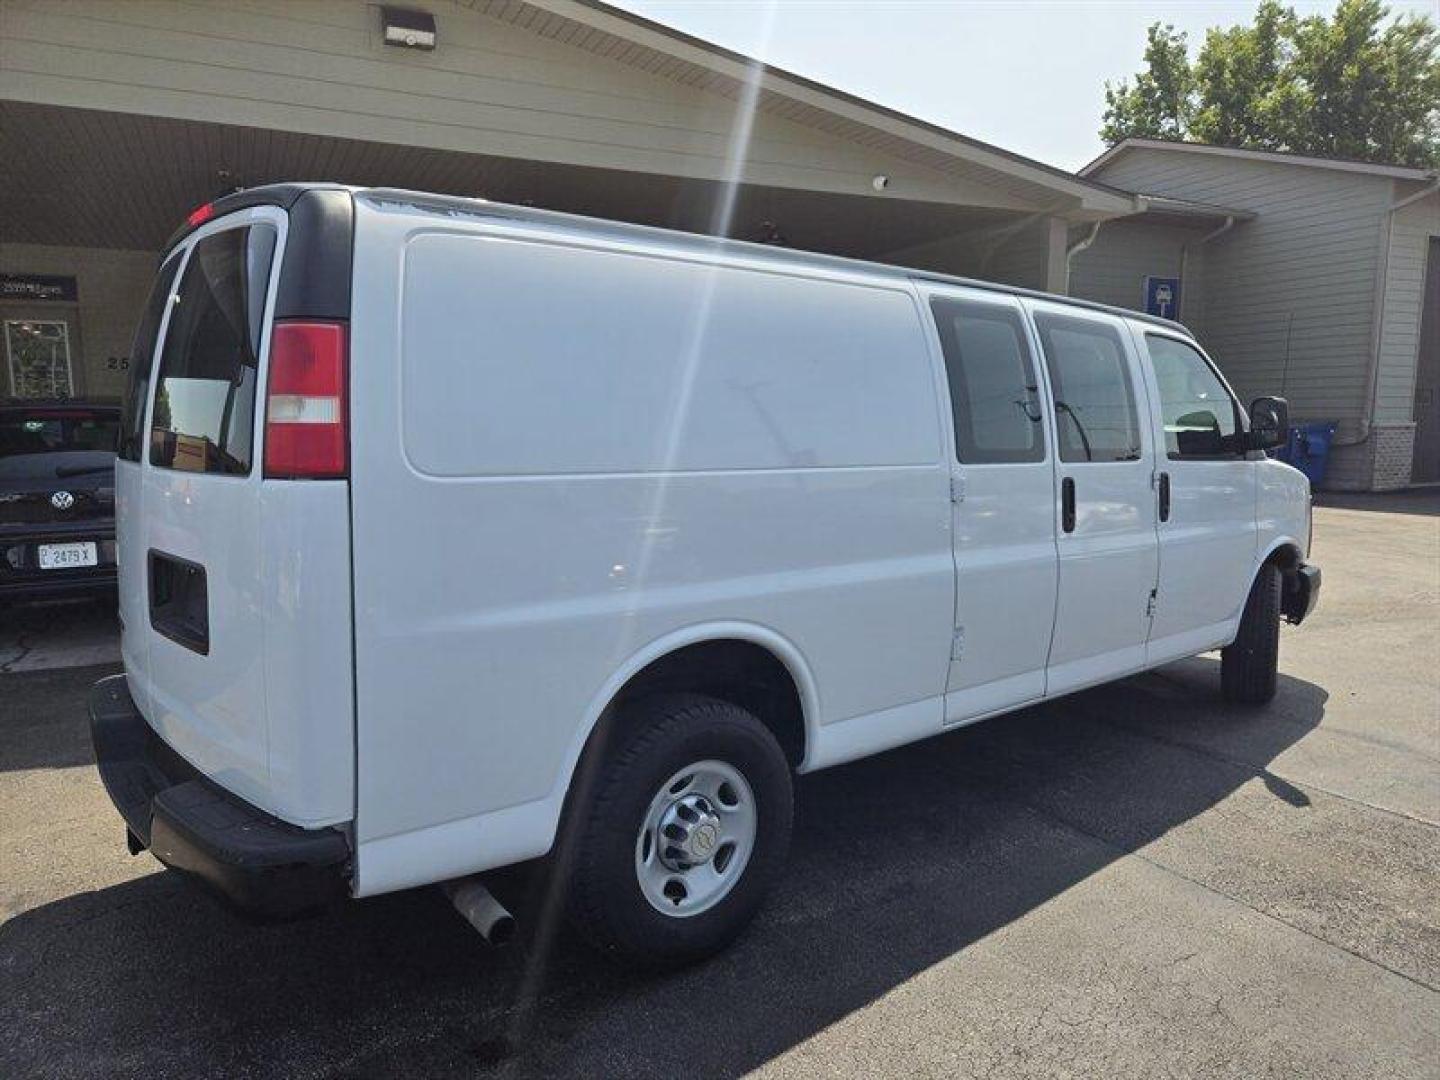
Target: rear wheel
{"x": 1248, "y": 666}
{"x": 687, "y": 830}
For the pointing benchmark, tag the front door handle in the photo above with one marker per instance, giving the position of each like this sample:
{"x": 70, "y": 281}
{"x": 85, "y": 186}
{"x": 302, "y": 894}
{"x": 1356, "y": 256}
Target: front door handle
{"x": 1067, "y": 504}
{"x": 1164, "y": 496}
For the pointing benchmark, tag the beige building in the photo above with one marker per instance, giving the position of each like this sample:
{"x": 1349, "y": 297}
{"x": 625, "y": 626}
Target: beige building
{"x": 1321, "y": 283}
{"x": 116, "y": 119}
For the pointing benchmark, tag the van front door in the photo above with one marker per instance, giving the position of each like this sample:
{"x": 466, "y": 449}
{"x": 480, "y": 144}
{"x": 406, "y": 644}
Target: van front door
{"x": 1205, "y": 491}
{"x": 1001, "y": 492}
{"x": 1103, "y": 501}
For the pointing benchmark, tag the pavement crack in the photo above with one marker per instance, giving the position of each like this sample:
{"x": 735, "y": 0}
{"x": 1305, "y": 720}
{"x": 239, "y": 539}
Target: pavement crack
{"x": 24, "y": 646}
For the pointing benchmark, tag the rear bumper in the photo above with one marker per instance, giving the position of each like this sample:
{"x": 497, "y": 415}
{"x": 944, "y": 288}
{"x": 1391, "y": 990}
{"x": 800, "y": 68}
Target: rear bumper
{"x": 1300, "y": 592}
{"x": 22, "y": 579}
{"x": 261, "y": 865}
{"x": 90, "y": 584}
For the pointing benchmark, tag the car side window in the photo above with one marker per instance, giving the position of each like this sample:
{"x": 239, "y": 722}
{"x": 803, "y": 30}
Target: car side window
{"x": 1090, "y": 385}
{"x": 993, "y": 391}
{"x": 1198, "y": 412}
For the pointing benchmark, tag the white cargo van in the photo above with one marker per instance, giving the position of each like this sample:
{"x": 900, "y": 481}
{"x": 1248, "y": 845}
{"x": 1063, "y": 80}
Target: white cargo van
{"x": 449, "y": 531}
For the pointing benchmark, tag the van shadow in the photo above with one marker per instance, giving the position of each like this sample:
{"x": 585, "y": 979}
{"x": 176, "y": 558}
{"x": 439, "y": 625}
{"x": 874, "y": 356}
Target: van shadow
{"x": 898, "y": 862}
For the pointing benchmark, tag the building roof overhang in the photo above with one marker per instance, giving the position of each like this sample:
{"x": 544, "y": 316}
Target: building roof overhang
{"x": 642, "y": 43}
{"x": 1125, "y": 146}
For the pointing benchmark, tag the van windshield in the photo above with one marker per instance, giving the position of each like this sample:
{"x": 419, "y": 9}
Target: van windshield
{"x": 204, "y": 414}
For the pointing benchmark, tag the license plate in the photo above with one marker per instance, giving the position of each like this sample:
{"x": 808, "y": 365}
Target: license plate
{"x": 66, "y": 556}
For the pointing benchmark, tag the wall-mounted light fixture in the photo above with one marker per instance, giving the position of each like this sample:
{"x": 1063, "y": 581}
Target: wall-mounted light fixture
{"x": 880, "y": 182}
{"x": 408, "y": 29}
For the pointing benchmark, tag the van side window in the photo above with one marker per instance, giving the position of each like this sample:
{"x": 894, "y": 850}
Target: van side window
{"x": 204, "y": 415}
{"x": 993, "y": 392}
{"x": 1198, "y": 411}
{"x": 142, "y": 362}
{"x": 1090, "y": 380}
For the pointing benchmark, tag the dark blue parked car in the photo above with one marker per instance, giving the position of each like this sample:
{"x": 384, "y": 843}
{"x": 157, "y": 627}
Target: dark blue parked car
{"x": 57, "y": 499}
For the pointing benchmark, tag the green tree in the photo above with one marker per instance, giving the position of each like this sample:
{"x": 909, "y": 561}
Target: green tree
{"x": 1159, "y": 104}
{"x": 1347, "y": 85}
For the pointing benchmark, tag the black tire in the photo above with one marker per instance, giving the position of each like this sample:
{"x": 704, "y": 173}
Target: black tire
{"x": 661, "y": 735}
{"x": 1248, "y": 666}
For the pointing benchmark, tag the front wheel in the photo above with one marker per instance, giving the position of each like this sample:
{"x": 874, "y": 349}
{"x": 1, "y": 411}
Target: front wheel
{"x": 687, "y": 830}
{"x": 1248, "y": 666}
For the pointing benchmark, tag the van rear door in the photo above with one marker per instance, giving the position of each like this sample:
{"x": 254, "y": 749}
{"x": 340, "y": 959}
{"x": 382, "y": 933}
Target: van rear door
{"x": 238, "y": 585}
{"x": 129, "y": 513}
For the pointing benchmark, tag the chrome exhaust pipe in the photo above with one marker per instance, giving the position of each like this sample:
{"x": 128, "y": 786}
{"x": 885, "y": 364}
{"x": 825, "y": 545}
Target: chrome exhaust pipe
{"x": 481, "y": 910}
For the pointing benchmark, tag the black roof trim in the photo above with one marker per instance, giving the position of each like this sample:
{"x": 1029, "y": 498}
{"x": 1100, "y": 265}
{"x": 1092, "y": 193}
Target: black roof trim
{"x": 287, "y": 194}
{"x": 281, "y": 195}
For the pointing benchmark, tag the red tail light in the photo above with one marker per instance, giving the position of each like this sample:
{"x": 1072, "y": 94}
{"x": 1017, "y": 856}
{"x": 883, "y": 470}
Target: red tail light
{"x": 306, "y": 426}
{"x": 200, "y": 215}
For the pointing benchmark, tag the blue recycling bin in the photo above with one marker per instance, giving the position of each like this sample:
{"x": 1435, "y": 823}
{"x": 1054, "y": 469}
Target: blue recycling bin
{"x": 1308, "y": 449}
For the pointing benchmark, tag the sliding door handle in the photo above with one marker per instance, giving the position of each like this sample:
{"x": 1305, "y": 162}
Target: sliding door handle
{"x": 1164, "y": 496}
{"x": 1067, "y": 504}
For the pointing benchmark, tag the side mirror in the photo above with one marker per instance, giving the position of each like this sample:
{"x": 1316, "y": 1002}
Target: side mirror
{"x": 1269, "y": 422}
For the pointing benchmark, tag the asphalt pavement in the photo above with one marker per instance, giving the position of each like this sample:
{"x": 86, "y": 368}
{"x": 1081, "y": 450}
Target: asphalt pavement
{"x": 1135, "y": 881}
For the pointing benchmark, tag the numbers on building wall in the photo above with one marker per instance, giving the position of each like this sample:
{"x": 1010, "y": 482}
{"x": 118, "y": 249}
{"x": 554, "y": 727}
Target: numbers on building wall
{"x": 117, "y": 363}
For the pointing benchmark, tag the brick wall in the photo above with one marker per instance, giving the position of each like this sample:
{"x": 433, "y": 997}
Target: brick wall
{"x": 1394, "y": 453}
{"x": 1381, "y": 463}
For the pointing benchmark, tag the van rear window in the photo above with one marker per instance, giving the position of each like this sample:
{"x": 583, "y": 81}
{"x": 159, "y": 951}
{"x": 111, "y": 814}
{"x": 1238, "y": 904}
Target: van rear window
{"x": 204, "y": 414}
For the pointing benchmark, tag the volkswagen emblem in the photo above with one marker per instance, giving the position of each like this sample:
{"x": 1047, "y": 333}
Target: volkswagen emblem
{"x": 62, "y": 500}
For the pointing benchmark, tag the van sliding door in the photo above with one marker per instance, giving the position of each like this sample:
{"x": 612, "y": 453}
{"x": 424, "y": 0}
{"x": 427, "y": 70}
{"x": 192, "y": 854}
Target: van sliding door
{"x": 1104, "y": 502}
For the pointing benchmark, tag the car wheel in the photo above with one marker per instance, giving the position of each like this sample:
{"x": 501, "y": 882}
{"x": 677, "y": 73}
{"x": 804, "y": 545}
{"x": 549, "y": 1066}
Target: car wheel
{"x": 1248, "y": 665}
{"x": 686, "y": 830}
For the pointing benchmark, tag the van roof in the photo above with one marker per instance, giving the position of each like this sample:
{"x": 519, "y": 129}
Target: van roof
{"x": 285, "y": 195}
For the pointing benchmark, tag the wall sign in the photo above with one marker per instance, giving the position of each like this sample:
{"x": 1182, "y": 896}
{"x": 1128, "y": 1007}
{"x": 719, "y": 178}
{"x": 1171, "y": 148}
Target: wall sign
{"x": 38, "y": 287}
{"x": 1162, "y": 297}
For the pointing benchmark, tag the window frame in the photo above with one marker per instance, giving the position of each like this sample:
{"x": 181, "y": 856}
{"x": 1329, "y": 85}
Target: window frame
{"x": 141, "y": 383}
{"x": 1098, "y": 327}
{"x": 1012, "y": 313}
{"x": 1241, "y": 420}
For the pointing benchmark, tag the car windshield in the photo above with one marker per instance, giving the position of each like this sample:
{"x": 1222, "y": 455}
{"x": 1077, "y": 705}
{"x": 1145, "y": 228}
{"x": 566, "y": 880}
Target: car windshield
{"x": 57, "y": 443}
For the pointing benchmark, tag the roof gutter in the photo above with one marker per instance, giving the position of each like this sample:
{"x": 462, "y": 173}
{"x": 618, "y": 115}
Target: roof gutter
{"x": 1382, "y": 287}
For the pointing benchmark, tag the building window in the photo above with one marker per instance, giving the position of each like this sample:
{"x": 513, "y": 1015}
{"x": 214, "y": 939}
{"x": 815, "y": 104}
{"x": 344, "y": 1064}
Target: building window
{"x": 39, "y": 357}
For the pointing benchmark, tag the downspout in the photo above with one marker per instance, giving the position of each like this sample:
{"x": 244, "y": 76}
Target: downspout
{"x": 1382, "y": 288}
{"x": 1185, "y": 258}
{"x": 1077, "y": 247}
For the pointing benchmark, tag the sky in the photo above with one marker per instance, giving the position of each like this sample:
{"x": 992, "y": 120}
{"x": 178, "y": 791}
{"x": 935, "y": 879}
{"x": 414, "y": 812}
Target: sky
{"x": 1026, "y": 75}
